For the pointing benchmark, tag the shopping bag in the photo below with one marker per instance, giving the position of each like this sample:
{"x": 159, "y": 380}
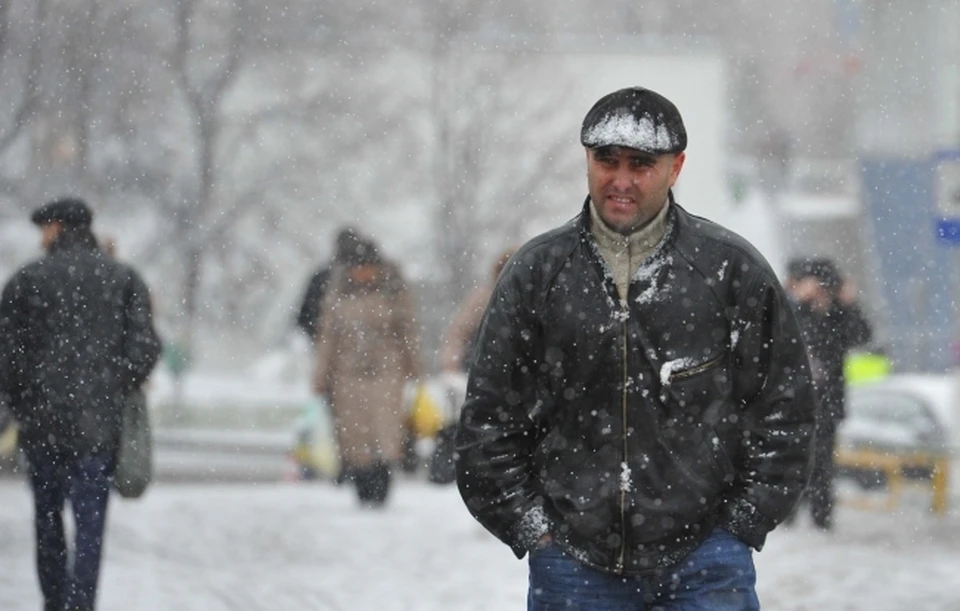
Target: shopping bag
{"x": 314, "y": 448}
{"x": 134, "y": 468}
{"x": 425, "y": 416}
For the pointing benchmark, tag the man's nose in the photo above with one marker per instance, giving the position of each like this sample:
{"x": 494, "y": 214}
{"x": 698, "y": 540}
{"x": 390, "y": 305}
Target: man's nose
{"x": 622, "y": 177}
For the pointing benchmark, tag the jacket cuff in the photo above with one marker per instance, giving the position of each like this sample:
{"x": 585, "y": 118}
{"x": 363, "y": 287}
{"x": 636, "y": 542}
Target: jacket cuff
{"x": 742, "y": 519}
{"x": 528, "y": 530}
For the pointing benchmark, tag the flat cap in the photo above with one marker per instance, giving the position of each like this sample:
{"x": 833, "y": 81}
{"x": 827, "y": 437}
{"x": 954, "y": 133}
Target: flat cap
{"x": 636, "y": 118}
{"x": 68, "y": 211}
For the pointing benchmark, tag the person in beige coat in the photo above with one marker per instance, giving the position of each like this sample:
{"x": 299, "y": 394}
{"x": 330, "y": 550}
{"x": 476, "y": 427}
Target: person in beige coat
{"x": 462, "y": 331}
{"x": 366, "y": 351}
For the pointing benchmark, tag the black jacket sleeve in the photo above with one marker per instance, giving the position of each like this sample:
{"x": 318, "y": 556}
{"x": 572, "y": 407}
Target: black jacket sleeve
{"x": 499, "y": 422}
{"x": 307, "y": 318}
{"x": 141, "y": 343}
{"x": 773, "y": 385}
{"x": 12, "y": 306}
{"x": 855, "y": 326}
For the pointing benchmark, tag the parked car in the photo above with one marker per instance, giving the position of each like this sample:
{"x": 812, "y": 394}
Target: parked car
{"x": 912, "y": 414}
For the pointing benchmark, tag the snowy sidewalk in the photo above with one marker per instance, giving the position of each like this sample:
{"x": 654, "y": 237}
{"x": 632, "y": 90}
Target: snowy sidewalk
{"x": 294, "y": 547}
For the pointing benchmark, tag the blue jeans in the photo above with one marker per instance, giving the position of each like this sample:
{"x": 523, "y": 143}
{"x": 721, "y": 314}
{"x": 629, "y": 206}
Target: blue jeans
{"x": 69, "y": 583}
{"x": 717, "y": 576}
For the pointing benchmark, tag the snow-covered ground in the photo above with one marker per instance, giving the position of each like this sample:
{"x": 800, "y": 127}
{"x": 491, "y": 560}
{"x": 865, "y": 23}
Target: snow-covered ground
{"x": 297, "y": 546}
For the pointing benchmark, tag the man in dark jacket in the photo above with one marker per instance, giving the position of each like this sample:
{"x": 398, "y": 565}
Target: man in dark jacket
{"x": 78, "y": 338}
{"x": 832, "y": 324}
{"x": 639, "y": 411}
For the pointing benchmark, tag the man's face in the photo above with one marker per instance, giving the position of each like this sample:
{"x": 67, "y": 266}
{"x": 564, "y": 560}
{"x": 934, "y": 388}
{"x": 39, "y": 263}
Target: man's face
{"x": 809, "y": 291}
{"x": 49, "y": 233}
{"x": 630, "y": 187}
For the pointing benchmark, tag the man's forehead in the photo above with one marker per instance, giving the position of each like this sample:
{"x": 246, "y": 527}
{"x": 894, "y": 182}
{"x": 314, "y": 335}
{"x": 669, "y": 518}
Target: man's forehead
{"x": 616, "y": 151}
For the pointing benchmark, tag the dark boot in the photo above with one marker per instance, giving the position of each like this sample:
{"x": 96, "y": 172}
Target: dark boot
{"x": 410, "y": 462}
{"x": 373, "y": 484}
{"x": 344, "y": 474}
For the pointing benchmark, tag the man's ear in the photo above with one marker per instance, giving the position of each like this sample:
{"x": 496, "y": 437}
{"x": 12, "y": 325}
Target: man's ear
{"x": 676, "y": 166}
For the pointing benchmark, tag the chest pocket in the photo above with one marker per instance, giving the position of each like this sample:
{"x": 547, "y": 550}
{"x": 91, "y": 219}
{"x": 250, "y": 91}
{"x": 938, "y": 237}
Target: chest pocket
{"x": 696, "y": 386}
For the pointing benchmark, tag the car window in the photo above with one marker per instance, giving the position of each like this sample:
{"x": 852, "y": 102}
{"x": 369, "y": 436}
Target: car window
{"x": 892, "y": 409}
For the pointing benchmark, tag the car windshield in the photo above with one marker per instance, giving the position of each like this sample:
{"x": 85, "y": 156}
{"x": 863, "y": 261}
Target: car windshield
{"x": 885, "y": 417}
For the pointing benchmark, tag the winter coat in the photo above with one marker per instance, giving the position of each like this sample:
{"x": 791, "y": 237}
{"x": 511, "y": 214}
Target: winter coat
{"x": 629, "y": 434}
{"x": 367, "y": 350}
{"x": 829, "y": 336}
{"x": 78, "y": 337}
{"x": 458, "y": 342}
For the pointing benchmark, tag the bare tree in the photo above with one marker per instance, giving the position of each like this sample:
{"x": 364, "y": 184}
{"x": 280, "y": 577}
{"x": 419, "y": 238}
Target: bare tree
{"x": 24, "y": 96}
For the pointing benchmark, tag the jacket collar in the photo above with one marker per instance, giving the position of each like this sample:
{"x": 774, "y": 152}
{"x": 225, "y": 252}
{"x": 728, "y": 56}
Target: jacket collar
{"x": 671, "y": 217}
{"x": 73, "y": 239}
{"x": 644, "y": 239}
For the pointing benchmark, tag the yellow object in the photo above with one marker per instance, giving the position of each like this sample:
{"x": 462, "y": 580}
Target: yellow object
{"x": 320, "y": 456}
{"x": 425, "y": 416}
{"x": 893, "y": 464}
{"x": 8, "y": 441}
{"x": 861, "y": 367}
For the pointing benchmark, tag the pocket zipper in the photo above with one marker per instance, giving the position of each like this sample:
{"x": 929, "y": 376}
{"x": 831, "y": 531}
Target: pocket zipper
{"x": 686, "y": 373}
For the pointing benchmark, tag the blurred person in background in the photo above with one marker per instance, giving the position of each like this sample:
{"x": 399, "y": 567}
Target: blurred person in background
{"x": 455, "y": 353}
{"x": 308, "y": 318}
{"x": 367, "y": 350}
{"x": 78, "y": 337}
{"x": 832, "y": 324}
{"x": 461, "y": 333}
{"x": 639, "y": 412}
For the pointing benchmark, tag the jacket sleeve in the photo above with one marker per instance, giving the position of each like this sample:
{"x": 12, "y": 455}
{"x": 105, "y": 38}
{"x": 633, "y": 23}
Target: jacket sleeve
{"x": 498, "y": 424}
{"x": 856, "y": 327}
{"x": 9, "y": 345}
{"x": 309, "y": 312}
{"x": 141, "y": 343}
{"x": 773, "y": 386}
{"x": 15, "y": 303}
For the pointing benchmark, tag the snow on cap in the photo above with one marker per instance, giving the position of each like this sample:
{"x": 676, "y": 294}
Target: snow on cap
{"x": 636, "y": 118}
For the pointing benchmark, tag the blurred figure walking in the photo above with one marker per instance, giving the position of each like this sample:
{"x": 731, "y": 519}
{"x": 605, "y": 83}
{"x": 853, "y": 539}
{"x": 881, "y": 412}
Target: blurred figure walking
{"x": 308, "y": 317}
{"x": 78, "y": 337}
{"x": 455, "y": 354}
{"x": 367, "y": 350}
{"x": 832, "y": 324}
{"x": 461, "y": 333}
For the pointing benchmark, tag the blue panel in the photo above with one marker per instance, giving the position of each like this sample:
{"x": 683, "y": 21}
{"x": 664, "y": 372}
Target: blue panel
{"x": 916, "y": 275}
{"x": 948, "y": 231}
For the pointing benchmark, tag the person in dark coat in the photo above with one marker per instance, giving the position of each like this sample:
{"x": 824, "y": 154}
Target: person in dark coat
{"x": 639, "y": 411}
{"x": 832, "y": 324}
{"x": 78, "y": 337}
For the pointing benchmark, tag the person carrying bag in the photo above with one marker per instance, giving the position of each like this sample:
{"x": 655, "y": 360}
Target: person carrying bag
{"x": 134, "y": 462}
